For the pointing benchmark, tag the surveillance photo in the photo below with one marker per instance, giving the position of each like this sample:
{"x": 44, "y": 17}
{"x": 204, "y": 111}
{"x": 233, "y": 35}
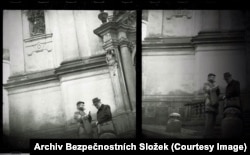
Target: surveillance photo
{"x": 68, "y": 74}
{"x": 195, "y": 74}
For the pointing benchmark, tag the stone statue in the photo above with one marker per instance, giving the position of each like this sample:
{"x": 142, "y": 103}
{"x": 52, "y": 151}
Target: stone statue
{"x": 110, "y": 57}
{"x": 111, "y": 61}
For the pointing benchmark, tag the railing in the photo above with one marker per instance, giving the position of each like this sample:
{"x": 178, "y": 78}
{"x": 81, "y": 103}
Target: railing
{"x": 195, "y": 110}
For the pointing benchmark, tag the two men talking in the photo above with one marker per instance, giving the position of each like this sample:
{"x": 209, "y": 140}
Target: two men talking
{"x": 213, "y": 96}
{"x": 104, "y": 123}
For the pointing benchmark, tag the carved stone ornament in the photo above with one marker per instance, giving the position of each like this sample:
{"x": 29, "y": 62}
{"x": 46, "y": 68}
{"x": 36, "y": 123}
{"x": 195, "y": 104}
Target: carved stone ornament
{"x": 110, "y": 57}
{"x": 179, "y": 14}
{"x": 112, "y": 61}
{"x": 103, "y": 16}
{"x": 39, "y": 47}
{"x": 131, "y": 19}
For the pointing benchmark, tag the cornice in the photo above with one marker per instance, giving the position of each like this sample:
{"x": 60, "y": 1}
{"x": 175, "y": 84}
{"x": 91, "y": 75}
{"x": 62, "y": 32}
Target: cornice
{"x": 68, "y": 67}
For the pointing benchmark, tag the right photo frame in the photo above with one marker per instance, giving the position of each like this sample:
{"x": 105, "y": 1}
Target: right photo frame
{"x": 195, "y": 74}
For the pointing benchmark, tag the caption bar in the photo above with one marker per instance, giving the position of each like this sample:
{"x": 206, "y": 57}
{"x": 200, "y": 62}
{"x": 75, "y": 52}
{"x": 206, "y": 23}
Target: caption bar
{"x": 172, "y": 147}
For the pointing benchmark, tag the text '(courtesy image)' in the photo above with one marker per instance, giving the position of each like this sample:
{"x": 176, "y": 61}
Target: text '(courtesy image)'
{"x": 195, "y": 74}
{"x": 68, "y": 74}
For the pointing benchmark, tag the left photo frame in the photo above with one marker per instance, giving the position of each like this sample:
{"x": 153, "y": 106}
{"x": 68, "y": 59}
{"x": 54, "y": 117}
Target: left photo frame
{"x": 68, "y": 74}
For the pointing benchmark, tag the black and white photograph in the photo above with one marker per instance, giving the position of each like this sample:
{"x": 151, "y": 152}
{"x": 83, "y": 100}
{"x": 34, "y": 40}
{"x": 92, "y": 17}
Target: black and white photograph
{"x": 68, "y": 74}
{"x": 195, "y": 74}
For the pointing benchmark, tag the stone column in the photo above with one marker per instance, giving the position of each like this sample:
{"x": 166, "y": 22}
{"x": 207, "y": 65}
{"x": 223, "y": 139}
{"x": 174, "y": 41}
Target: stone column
{"x": 119, "y": 70}
{"x": 129, "y": 70}
{"x": 122, "y": 72}
{"x": 113, "y": 61}
{"x": 68, "y": 35}
{"x": 6, "y": 74}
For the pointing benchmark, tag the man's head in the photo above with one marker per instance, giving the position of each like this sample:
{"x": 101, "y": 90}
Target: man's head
{"x": 97, "y": 102}
{"x": 228, "y": 77}
{"x": 80, "y": 105}
{"x": 211, "y": 77}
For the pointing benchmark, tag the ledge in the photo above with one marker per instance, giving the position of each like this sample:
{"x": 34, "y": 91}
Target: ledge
{"x": 167, "y": 43}
{"x": 191, "y": 42}
{"x": 37, "y": 37}
{"x": 30, "y": 78}
{"x": 81, "y": 64}
{"x": 219, "y": 37}
{"x": 68, "y": 67}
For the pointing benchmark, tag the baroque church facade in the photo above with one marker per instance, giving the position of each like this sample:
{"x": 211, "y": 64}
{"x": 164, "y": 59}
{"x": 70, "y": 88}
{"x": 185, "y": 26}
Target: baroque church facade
{"x": 54, "y": 58}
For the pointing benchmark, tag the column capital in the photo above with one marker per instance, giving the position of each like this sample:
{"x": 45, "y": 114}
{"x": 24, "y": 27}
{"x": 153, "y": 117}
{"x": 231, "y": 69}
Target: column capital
{"x": 125, "y": 42}
{"x": 110, "y": 44}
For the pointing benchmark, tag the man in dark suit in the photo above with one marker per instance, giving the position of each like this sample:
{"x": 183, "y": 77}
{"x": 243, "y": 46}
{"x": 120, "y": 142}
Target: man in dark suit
{"x": 104, "y": 122}
{"x": 232, "y": 95}
{"x": 232, "y": 122}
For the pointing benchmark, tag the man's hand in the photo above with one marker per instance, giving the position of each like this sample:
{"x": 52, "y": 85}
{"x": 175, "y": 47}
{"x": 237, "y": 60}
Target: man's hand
{"x": 96, "y": 123}
{"x": 78, "y": 116}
